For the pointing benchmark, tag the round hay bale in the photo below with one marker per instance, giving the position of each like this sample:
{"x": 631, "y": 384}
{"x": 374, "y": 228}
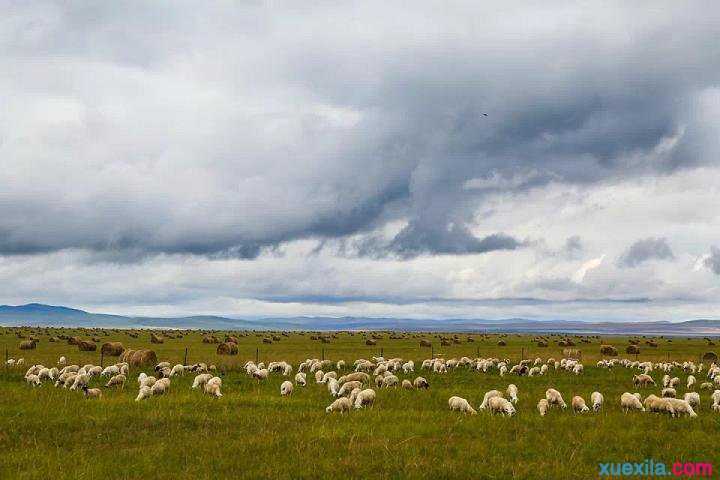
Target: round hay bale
{"x": 227, "y": 348}
{"x": 138, "y": 358}
{"x": 324, "y": 340}
{"x": 210, "y": 339}
{"x": 710, "y": 357}
{"x": 571, "y": 353}
{"x": 444, "y": 342}
{"x": 501, "y": 343}
{"x": 425, "y": 343}
{"x": 27, "y": 345}
{"x": 632, "y": 349}
{"x": 608, "y": 350}
{"x": 651, "y": 343}
{"x": 112, "y": 349}
{"x": 370, "y": 342}
{"x": 86, "y": 346}
{"x": 231, "y": 339}
{"x": 542, "y": 343}
{"x": 73, "y": 340}
{"x": 156, "y": 338}
{"x": 266, "y": 340}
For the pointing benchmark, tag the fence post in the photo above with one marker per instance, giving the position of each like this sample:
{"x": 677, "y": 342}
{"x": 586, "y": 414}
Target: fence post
{"x": 522, "y": 353}
{"x": 102, "y": 356}
{"x": 185, "y": 359}
{"x": 432, "y": 351}
{"x": 257, "y": 355}
{"x": 6, "y": 358}
{"x": 381, "y": 352}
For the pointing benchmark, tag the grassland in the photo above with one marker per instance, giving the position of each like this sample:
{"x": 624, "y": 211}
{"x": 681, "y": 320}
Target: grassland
{"x": 251, "y": 432}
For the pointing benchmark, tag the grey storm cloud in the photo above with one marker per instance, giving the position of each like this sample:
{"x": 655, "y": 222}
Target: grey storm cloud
{"x": 644, "y": 250}
{"x": 225, "y": 130}
{"x": 713, "y": 260}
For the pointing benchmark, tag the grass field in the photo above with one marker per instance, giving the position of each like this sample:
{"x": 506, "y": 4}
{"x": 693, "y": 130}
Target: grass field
{"x": 253, "y": 432}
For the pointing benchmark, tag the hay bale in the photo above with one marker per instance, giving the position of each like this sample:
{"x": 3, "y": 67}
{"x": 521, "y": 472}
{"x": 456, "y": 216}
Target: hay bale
{"x": 138, "y": 358}
{"x": 571, "y": 353}
{"x": 210, "y": 339}
{"x": 608, "y": 350}
{"x": 227, "y": 348}
{"x": 501, "y": 343}
{"x": 73, "y": 340}
{"x": 710, "y": 357}
{"x": 542, "y": 343}
{"x": 370, "y": 342}
{"x": 27, "y": 345}
{"x": 266, "y": 340}
{"x": 231, "y": 339}
{"x": 632, "y": 349}
{"x": 651, "y": 343}
{"x": 86, "y": 346}
{"x": 425, "y": 343}
{"x": 112, "y": 349}
{"x": 156, "y": 338}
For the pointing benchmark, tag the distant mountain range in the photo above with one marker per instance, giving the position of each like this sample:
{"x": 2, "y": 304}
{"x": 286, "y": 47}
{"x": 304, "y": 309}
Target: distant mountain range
{"x": 36, "y": 314}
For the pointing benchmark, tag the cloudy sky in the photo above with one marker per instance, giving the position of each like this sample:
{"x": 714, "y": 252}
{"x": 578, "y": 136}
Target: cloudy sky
{"x": 410, "y": 159}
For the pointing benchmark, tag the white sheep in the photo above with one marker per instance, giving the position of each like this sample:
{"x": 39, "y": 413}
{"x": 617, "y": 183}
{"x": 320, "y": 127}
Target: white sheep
{"x": 319, "y": 374}
{"x": 333, "y": 387}
{"x": 716, "y": 400}
{"x": 691, "y": 381}
{"x": 177, "y": 370}
{"x": 348, "y": 387}
{"x": 33, "y": 380}
{"x": 631, "y": 401}
{"x": 201, "y": 380}
{"x": 91, "y": 392}
{"x": 693, "y": 398}
{"x": 286, "y": 388}
{"x": 118, "y": 379}
{"x": 110, "y": 371}
{"x": 62, "y": 361}
{"x": 543, "y": 406}
{"x": 597, "y": 399}
{"x": 659, "y": 405}
{"x": 461, "y": 405}
{"x": 669, "y": 392}
{"x": 578, "y": 404}
{"x": 501, "y": 406}
{"x": 554, "y": 398}
{"x": 408, "y": 367}
{"x": 512, "y": 393}
{"x": 161, "y": 386}
{"x": 364, "y": 398}
{"x": 212, "y": 387}
{"x": 488, "y": 396}
{"x": 301, "y": 379}
{"x": 420, "y": 382}
{"x": 341, "y": 405}
{"x": 681, "y": 407}
{"x": 145, "y": 392}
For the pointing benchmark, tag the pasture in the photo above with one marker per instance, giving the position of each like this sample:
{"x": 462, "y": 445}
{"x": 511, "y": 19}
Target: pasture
{"x": 253, "y": 432}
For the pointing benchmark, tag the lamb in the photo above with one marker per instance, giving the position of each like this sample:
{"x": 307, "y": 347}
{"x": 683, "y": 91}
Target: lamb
{"x": 501, "y": 406}
{"x": 691, "y": 381}
{"x": 578, "y": 369}
{"x": 512, "y": 392}
{"x": 461, "y": 405}
{"x": 91, "y": 392}
{"x": 681, "y": 407}
{"x": 116, "y": 380}
{"x": 420, "y": 382}
{"x": 212, "y": 387}
{"x": 286, "y": 388}
{"x": 488, "y": 396}
{"x": 659, "y": 405}
{"x": 578, "y": 404}
{"x": 145, "y": 392}
{"x": 693, "y": 398}
{"x": 543, "y": 406}
{"x": 716, "y": 400}
{"x": 201, "y": 380}
{"x": 348, "y": 387}
{"x": 597, "y": 399}
{"x": 177, "y": 370}
{"x": 407, "y": 384}
{"x": 341, "y": 405}
{"x": 364, "y": 398}
{"x": 62, "y": 361}
{"x": 630, "y": 401}
{"x": 643, "y": 380}
{"x": 554, "y": 398}
{"x": 301, "y": 379}
{"x": 668, "y": 392}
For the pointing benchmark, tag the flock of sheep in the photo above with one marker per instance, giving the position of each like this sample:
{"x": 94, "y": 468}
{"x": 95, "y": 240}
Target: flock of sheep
{"x": 352, "y": 389}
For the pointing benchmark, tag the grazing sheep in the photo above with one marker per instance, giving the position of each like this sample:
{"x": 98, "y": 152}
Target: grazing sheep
{"x": 488, "y": 396}
{"x": 348, "y": 387}
{"x": 390, "y": 381}
{"x": 716, "y": 400}
{"x": 286, "y": 388}
{"x": 160, "y": 387}
{"x": 364, "y": 398}
{"x": 177, "y": 370}
{"x": 341, "y": 405}
{"x": 674, "y": 382}
{"x": 145, "y": 392}
{"x": 201, "y": 380}
{"x": 407, "y": 384}
{"x": 578, "y": 369}
{"x": 668, "y": 392}
{"x": 643, "y": 380}
{"x": 261, "y": 374}
{"x": 62, "y": 361}
{"x": 118, "y": 379}
{"x": 420, "y": 382}
{"x": 355, "y": 377}
{"x": 461, "y": 405}
{"x": 659, "y": 405}
{"x": 301, "y": 379}
{"x": 91, "y": 392}
{"x": 706, "y": 386}
{"x": 597, "y": 399}
{"x": 543, "y": 406}
{"x": 501, "y": 406}
{"x": 148, "y": 381}
{"x": 340, "y": 365}
{"x": 681, "y": 407}
{"x": 408, "y": 367}
{"x": 554, "y": 398}
{"x": 80, "y": 381}
{"x": 691, "y": 381}
{"x": 110, "y": 371}
{"x": 578, "y": 404}
{"x": 693, "y": 398}
{"x": 70, "y": 379}
{"x": 630, "y": 401}
{"x": 212, "y": 387}
{"x": 33, "y": 380}
{"x": 333, "y": 386}
{"x": 319, "y": 374}
{"x": 512, "y": 392}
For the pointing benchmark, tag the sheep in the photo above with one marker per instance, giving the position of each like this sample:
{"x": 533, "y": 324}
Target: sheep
{"x": 543, "y": 406}
{"x": 390, "y": 381}
{"x": 286, "y": 388}
{"x": 364, "y": 398}
{"x": 356, "y": 376}
{"x": 160, "y": 387}
{"x": 420, "y": 382}
{"x": 668, "y": 392}
{"x": 512, "y": 392}
{"x": 118, "y": 379}
{"x": 674, "y": 382}
{"x": 148, "y": 381}
{"x": 261, "y": 374}
{"x": 554, "y": 398}
{"x": 340, "y": 365}
{"x": 145, "y": 392}
{"x": 407, "y": 384}
{"x": 70, "y": 379}
{"x": 693, "y": 398}
{"x": 110, "y": 371}
{"x": 62, "y": 361}
{"x": 659, "y": 405}
{"x": 578, "y": 369}
{"x": 597, "y": 399}
{"x": 212, "y": 387}
{"x": 643, "y": 380}
{"x": 177, "y": 370}
{"x": 461, "y": 405}
{"x": 81, "y": 380}
{"x": 501, "y": 406}
{"x": 33, "y": 380}
{"x": 201, "y": 380}
{"x": 341, "y": 405}
{"x": 691, "y": 381}
{"x": 716, "y": 400}
{"x": 91, "y": 392}
{"x": 408, "y": 367}
{"x": 706, "y": 386}
{"x": 348, "y": 387}
{"x": 578, "y": 404}
{"x": 681, "y": 407}
{"x": 630, "y": 401}
{"x": 319, "y": 374}
{"x": 488, "y": 396}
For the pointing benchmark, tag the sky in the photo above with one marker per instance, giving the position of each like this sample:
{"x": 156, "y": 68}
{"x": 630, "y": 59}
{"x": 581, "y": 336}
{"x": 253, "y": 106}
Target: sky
{"x": 386, "y": 159}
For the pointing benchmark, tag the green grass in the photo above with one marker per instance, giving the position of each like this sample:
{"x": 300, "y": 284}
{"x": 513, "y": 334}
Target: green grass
{"x": 251, "y": 432}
